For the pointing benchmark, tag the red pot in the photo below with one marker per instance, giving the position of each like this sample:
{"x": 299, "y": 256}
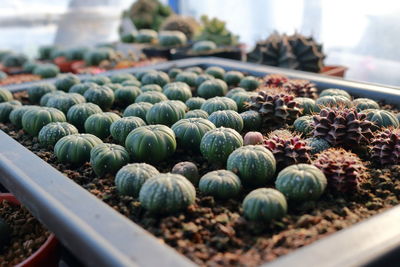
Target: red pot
{"x": 64, "y": 64}
{"x": 47, "y": 255}
{"x": 337, "y": 71}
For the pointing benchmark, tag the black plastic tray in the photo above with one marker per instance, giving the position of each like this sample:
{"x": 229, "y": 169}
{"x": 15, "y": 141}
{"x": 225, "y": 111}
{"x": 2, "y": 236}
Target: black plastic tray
{"x": 99, "y": 236}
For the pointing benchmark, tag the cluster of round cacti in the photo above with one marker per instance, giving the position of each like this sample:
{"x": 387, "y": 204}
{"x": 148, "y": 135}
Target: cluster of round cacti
{"x": 284, "y": 135}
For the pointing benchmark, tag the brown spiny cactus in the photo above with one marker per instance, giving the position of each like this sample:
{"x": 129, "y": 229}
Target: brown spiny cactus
{"x": 301, "y": 88}
{"x": 385, "y": 147}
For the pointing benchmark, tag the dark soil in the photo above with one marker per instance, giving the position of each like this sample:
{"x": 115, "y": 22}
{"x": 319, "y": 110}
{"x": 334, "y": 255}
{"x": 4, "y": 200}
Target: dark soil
{"x": 214, "y": 233}
{"x": 28, "y": 235}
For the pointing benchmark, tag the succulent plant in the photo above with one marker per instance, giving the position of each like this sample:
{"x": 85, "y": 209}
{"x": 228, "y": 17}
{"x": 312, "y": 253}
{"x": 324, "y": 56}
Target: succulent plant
{"x": 99, "y": 124}
{"x": 195, "y": 103}
{"x": 308, "y": 52}
{"x": 129, "y": 37}
{"x": 252, "y": 120}
{"x": 99, "y": 80}
{"x": 216, "y": 72}
{"x": 13, "y": 60}
{"x": 152, "y": 143}
{"x": 44, "y": 99}
{"x": 196, "y": 113}
{"x": 131, "y": 177}
{"x": 307, "y": 105}
{"x": 301, "y": 182}
{"x": 167, "y": 193}
{"x": 253, "y": 138}
{"x": 218, "y": 103}
{"x": 76, "y": 53}
{"x": 46, "y": 51}
{"x": 138, "y": 110}
{"x": 165, "y": 112}
{"x": 288, "y": 149}
{"x": 126, "y": 95}
{"x": 6, "y": 108}
{"x": 249, "y": 83}
{"x": 365, "y": 103}
{"x": 204, "y": 46}
{"x": 188, "y": 25}
{"x": 122, "y": 77}
{"x": 75, "y": 148}
{"x": 264, "y": 204}
{"x": 151, "y": 87}
{"x": 64, "y": 102}
{"x": 233, "y": 78}
{"x": 342, "y": 127}
{"x": 189, "y": 132}
{"x": 78, "y": 114}
{"x": 65, "y": 82}
{"x": 108, "y": 158}
{"x": 173, "y": 72}
{"x": 221, "y": 184}
{"x": 54, "y": 131}
{"x": 159, "y": 77}
{"x": 113, "y": 86}
{"x": 234, "y": 91}
{"x": 16, "y": 114}
{"x": 148, "y": 14}
{"x": 35, "y": 92}
{"x": 120, "y": 128}
{"x": 381, "y": 118}
{"x": 385, "y": 147}
{"x": 28, "y": 67}
{"x": 242, "y": 99}
{"x": 96, "y": 56}
{"x": 187, "y": 77}
{"x": 344, "y": 170}
{"x": 188, "y": 170}
{"x": 81, "y": 88}
{"x": 275, "y": 80}
{"x": 215, "y": 30}
{"x": 151, "y": 97}
{"x": 276, "y": 109}
{"x": 335, "y": 92}
{"x": 255, "y": 165}
{"x": 5, "y": 95}
{"x": 317, "y": 144}
{"x": 46, "y": 70}
{"x": 140, "y": 74}
{"x": 212, "y": 88}
{"x": 131, "y": 83}
{"x": 172, "y": 38}
{"x": 304, "y": 125}
{"x": 101, "y": 96}
{"x": 177, "y": 91}
{"x": 217, "y": 144}
{"x": 301, "y": 88}
{"x": 34, "y": 119}
{"x": 227, "y": 119}
{"x": 333, "y": 101}
{"x": 197, "y": 70}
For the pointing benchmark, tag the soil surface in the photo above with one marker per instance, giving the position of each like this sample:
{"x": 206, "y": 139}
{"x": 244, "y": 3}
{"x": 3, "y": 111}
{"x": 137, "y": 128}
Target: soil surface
{"x": 28, "y": 235}
{"x": 214, "y": 232}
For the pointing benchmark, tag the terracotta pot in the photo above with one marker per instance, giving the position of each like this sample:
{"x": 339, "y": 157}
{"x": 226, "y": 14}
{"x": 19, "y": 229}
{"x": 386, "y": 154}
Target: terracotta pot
{"x": 47, "y": 255}
{"x": 64, "y": 64}
{"x": 331, "y": 70}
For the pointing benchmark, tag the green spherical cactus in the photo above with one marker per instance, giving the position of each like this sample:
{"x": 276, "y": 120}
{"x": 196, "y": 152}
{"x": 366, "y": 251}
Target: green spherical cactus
{"x": 6, "y": 108}
{"x": 151, "y": 87}
{"x": 304, "y": 125}
{"x": 34, "y": 119}
{"x": 202, "y": 78}
{"x": 195, "y": 102}
{"x": 235, "y": 91}
{"x": 78, "y": 114}
{"x": 172, "y": 38}
{"x": 165, "y": 112}
{"x": 189, "y": 132}
{"x": 159, "y": 77}
{"x": 152, "y": 143}
{"x": 212, "y": 88}
{"x": 99, "y": 124}
{"x": 365, "y": 103}
{"x": 218, "y": 103}
{"x": 196, "y": 113}
{"x": 242, "y": 99}
{"x": 46, "y": 70}
{"x": 188, "y": 170}
{"x": 255, "y": 165}
{"x": 81, "y": 88}
{"x": 44, "y": 99}
{"x": 187, "y": 77}
{"x": 130, "y": 179}
{"x": 172, "y": 73}
{"x": 138, "y": 110}
{"x": 167, "y": 193}
{"x": 126, "y": 95}
{"x": 251, "y": 120}
{"x": 204, "y": 46}
{"x": 75, "y": 148}
{"x": 94, "y": 57}
{"x": 122, "y": 77}
{"x": 54, "y": 131}
{"x": 227, "y": 119}
{"x": 177, "y": 91}
{"x": 99, "y": 80}
{"x": 317, "y": 145}
{"x": 35, "y": 92}
{"x": 101, "y": 96}
{"x": 151, "y": 97}
{"x": 249, "y": 83}
{"x": 382, "y": 118}
{"x": 120, "y": 129}
{"x": 64, "y": 102}
{"x": 197, "y": 70}
{"x": 16, "y": 114}
{"x": 140, "y": 74}
{"x": 146, "y": 36}
{"x": 217, "y": 144}
{"x": 5, "y": 95}
{"x": 108, "y": 158}
{"x": 335, "y": 92}
{"x": 233, "y": 78}
{"x": 301, "y": 182}
{"x": 307, "y": 105}
{"x": 216, "y": 72}
{"x": 333, "y": 101}
{"x": 132, "y": 83}
{"x": 65, "y": 82}
{"x": 220, "y": 184}
{"x": 264, "y": 204}
{"x": 114, "y": 86}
